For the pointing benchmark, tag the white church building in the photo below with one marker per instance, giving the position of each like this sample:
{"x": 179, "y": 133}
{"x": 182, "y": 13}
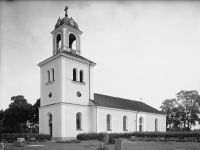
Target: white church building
{"x": 68, "y": 104}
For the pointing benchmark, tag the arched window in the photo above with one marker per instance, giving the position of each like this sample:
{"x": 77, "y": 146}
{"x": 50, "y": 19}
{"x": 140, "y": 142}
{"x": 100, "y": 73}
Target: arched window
{"x": 48, "y": 76}
{"x": 74, "y": 74}
{"x": 58, "y": 42}
{"x": 108, "y": 121}
{"x": 81, "y": 76}
{"x": 125, "y": 123}
{"x": 156, "y": 124}
{"x": 72, "y": 41}
{"x": 52, "y": 73}
{"x": 79, "y": 121}
{"x": 141, "y": 124}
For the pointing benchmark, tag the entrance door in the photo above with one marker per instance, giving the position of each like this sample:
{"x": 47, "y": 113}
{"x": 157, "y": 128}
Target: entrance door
{"x": 50, "y": 124}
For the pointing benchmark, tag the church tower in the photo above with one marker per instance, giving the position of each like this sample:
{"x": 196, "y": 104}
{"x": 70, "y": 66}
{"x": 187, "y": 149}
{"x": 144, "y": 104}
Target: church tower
{"x": 66, "y": 83}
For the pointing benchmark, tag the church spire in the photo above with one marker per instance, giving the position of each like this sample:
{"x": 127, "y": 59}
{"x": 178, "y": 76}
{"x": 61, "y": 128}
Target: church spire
{"x": 66, "y": 15}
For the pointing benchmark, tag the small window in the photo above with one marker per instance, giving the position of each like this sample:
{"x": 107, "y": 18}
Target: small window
{"x": 52, "y": 72}
{"x": 108, "y": 121}
{"x": 125, "y": 123}
{"x": 48, "y": 76}
{"x": 81, "y": 76}
{"x": 79, "y": 121}
{"x": 156, "y": 124}
{"x": 74, "y": 74}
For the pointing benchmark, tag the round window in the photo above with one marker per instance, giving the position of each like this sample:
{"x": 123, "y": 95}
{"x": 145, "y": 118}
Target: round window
{"x": 78, "y": 94}
{"x": 50, "y": 94}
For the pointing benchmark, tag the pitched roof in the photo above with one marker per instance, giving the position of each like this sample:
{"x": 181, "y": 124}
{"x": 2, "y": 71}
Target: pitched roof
{"x": 120, "y": 103}
{"x": 78, "y": 56}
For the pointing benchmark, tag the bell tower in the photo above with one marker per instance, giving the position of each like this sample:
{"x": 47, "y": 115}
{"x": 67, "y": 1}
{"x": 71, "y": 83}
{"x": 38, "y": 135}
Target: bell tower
{"x": 66, "y": 36}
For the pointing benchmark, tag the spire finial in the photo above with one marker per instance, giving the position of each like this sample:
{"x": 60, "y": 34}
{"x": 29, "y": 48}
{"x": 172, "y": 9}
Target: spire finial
{"x": 66, "y": 15}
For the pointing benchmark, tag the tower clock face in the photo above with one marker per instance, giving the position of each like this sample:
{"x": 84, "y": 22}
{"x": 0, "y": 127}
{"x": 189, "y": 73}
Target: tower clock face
{"x": 71, "y": 22}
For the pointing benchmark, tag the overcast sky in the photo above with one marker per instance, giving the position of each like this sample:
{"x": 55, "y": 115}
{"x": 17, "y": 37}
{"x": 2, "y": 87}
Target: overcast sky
{"x": 143, "y": 49}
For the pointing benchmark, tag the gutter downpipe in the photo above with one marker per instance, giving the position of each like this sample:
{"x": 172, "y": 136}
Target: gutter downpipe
{"x": 96, "y": 118}
{"x": 136, "y": 120}
{"x": 89, "y": 80}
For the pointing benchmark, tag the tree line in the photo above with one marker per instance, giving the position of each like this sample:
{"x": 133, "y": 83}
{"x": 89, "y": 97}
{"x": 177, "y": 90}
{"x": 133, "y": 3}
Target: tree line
{"x": 182, "y": 112}
{"x": 20, "y": 117}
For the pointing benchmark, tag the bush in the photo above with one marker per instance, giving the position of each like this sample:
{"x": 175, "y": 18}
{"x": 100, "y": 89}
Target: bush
{"x": 178, "y": 136}
{"x": 12, "y": 137}
{"x": 90, "y": 136}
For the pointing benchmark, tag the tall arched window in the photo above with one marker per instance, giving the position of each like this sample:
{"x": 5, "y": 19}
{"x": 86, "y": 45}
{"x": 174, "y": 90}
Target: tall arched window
{"x": 125, "y": 123}
{"x": 108, "y": 122}
{"x": 156, "y": 124}
{"x": 74, "y": 74}
{"x": 52, "y": 73}
{"x": 81, "y": 76}
{"x": 58, "y": 42}
{"x": 72, "y": 41}
{"x": 48, "y": 76}
{"x": 79, "y": 121}
{"x": 141, "y": 124}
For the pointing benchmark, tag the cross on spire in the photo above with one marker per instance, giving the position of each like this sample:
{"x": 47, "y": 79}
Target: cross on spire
{"x": 66, "y": 15}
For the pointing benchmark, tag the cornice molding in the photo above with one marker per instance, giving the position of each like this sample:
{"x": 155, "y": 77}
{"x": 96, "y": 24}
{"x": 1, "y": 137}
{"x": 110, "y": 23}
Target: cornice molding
{"x": 80, "y": 32}
{"x": 65, "y": 56}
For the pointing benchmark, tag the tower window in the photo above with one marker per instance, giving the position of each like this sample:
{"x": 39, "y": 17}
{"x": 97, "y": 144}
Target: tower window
{"x": 72, "y": 41}
{"x": 48, "y": 76}
{"x": 58, "y": 42}
{"x": 81, "y": 75}
{"x": 74, "y": 74}
{"x": 52, "y": 72}
{"x": 79, "y": 121}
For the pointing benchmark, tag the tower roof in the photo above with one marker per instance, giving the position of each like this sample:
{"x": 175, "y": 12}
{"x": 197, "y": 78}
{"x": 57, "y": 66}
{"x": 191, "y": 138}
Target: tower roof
{"x": 66, "y": 21}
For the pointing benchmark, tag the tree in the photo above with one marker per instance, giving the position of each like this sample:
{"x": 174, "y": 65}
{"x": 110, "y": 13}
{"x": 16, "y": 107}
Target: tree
{"x": 168, "y": 106}
{"x": 188, "y": 103}
{"x": 36, "y": 111}
{"x": 1, "y": 121}
{"x": 184, "y": 111}
{"x": 19, "y": 113}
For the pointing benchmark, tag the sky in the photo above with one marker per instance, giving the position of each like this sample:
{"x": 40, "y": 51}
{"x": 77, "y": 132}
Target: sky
{"x": 143, "y": 49}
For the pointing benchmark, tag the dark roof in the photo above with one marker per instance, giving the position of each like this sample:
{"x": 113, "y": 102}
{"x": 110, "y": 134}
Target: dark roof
{"x": 65, "y": 21}
{"x": 77, "y": 56}
{"x": 120, "y": 103}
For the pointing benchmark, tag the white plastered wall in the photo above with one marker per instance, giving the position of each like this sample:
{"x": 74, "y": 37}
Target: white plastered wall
{"x": 53, "y": 86}
{"x": 55, "y": 110}
{"x": 69, "y": 112}
{"x": 150, "y": 122}
{"x": 69, "y": 87}
{"x": 116, "y": 120}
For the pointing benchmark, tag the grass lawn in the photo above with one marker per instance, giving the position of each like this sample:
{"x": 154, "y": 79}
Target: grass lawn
{"x": 93, "y": 145}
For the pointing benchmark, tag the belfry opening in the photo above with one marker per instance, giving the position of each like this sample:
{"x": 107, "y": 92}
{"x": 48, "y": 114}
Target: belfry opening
{"x": 58, "y": 42}
{"x": 72, "y": 41}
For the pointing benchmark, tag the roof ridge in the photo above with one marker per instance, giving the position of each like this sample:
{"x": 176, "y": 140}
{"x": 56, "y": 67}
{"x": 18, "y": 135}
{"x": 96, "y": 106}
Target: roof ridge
{"x": 119, "y": 98}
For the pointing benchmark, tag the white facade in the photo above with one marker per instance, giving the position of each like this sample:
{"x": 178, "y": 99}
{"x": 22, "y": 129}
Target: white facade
{"x": 67, "y": 94}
